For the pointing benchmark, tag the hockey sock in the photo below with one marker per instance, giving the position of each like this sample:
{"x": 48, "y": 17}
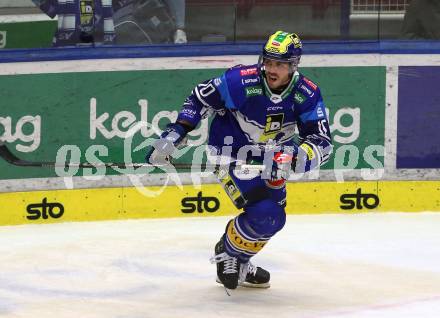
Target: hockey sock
{"x": 241, "y": 241}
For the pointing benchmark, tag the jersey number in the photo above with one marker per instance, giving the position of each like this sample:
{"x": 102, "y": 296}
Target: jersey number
{"x": 206, "y": 90}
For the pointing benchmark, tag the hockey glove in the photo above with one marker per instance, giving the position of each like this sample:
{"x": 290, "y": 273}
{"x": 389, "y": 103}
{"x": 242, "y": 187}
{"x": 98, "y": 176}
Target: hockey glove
{"x": 281, "y": 164}
{"x": 173, "y": 137}
{"x": 307, "y": 159}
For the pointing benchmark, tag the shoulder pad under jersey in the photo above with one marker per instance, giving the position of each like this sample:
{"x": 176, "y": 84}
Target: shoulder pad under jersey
{"x": 306, "y": 89}
{"x": 310, "y": 105}
{"x": 238, "y": 84}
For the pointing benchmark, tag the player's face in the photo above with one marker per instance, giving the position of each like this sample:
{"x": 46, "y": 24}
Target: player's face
{"x": 277, "y": 73}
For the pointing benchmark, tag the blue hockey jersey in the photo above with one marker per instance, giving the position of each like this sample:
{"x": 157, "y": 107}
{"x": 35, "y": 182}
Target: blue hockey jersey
{"x": 80, "y": 22}
{"x": 246, "y": 110}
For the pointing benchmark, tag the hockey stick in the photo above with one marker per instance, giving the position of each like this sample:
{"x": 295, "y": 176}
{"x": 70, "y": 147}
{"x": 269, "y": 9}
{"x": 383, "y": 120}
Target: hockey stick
{"x": 9, "y": 157}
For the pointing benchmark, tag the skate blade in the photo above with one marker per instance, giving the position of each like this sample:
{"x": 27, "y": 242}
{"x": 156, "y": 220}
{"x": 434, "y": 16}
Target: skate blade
{"x": 218, "y": 281}
{"x": 247, "y": 285}
{"x": 250, "y": 285}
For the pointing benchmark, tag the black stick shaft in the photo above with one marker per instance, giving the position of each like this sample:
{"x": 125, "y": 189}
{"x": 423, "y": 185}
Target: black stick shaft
{"x": 8, "y": 156}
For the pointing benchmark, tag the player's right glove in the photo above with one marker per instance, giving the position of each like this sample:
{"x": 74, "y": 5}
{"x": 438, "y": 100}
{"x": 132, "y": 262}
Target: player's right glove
{"x": 163, "y": 148}
{"x": 280, "y": 166}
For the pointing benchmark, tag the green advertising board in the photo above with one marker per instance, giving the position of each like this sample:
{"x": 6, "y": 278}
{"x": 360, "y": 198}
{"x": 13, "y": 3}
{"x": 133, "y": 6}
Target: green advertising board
{"x": 26, "y": 35}
{"x": 92, "y": 111}
{"x": 355, "y": 98}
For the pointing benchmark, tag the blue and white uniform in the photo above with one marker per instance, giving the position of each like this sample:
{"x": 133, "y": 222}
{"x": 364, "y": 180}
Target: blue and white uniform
{"x": 246, "y": 110}
{"x": 251, "y": 114}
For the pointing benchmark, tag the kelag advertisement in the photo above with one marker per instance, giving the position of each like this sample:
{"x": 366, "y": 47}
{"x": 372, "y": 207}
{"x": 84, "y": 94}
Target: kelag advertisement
{"x": 91, "y": 112}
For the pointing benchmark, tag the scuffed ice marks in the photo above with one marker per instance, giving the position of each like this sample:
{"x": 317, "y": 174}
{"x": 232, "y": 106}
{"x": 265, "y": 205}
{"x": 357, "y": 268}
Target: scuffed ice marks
{"x": 62, "y": 283}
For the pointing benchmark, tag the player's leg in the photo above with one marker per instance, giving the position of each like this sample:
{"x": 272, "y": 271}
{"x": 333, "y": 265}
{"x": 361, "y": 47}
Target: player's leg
{"x": 251, "y": 275}
{"x": 249, "y": 232}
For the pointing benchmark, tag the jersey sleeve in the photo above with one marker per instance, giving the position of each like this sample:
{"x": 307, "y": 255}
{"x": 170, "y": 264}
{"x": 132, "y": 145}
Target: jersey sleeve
{"x": 50, "y": 7}
{"x": 204, "y": 100}
{"x": 216, "y": 95}
{"x": 314, "y": 130}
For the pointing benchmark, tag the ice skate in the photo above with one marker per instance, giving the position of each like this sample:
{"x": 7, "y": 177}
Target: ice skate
{"x": 253, "y": 276}
{"x": 228, "y": 267}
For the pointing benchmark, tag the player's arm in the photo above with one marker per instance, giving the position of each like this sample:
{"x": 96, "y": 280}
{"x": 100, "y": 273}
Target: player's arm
{"x": 315, "y": 144}
{"x": 204, "y": 100}
{"x": 50, "y": 7}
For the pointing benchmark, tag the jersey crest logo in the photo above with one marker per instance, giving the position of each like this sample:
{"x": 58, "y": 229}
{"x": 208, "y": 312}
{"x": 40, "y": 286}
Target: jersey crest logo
{"x": 274, "y": 123}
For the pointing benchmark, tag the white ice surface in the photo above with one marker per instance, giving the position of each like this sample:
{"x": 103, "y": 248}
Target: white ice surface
{"x": 351, "y": 266}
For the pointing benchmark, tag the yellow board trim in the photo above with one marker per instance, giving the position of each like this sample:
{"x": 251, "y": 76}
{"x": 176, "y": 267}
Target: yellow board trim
{"x": 211, "y": 200}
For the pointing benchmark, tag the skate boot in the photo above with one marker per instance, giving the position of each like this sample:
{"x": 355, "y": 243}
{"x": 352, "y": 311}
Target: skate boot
{"x": 253, "y": 276}
{"x": 228, "y": 267}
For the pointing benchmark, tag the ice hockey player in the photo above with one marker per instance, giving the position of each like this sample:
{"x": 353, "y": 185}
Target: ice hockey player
{"x": 256, "y": 107}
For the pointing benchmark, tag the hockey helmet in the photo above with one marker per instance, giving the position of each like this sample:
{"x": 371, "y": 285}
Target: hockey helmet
{"x": 284, "y": 47}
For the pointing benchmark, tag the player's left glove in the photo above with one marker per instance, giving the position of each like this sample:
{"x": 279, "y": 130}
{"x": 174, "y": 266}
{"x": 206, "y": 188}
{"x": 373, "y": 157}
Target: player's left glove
{"x": 163, "y": 148}
{"x": 310, "y": 156}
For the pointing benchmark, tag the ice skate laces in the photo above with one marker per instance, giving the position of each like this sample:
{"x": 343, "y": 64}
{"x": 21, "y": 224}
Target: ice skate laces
{"x": 247, "y": 268}
{"x": 229, "y": 265}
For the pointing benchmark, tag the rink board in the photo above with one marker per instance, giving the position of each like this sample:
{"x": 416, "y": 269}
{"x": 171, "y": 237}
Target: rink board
{"x": 210, "y": 200}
